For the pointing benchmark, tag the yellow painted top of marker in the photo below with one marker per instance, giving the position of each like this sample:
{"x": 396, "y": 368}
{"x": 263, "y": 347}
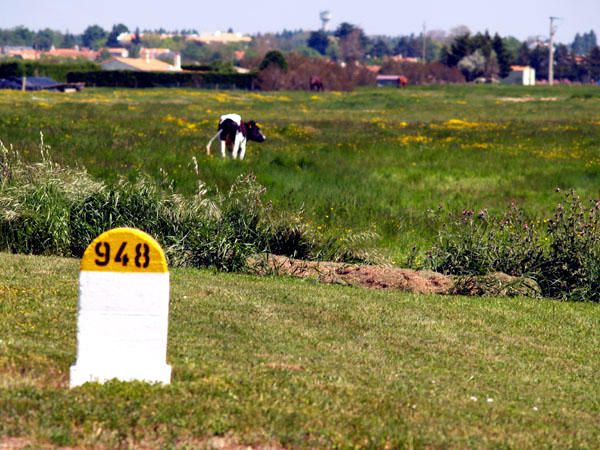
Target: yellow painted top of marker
{"x": 124, "y": 250}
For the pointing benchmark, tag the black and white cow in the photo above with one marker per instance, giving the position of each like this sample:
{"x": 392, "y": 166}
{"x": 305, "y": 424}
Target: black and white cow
{"x": 234, "y": 134}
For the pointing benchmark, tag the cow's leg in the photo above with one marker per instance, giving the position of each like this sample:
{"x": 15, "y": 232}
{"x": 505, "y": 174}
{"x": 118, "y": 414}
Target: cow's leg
{"x": 211, "y": 141}
{"x": 243, "y": 148}
{"x": 236, "y": 145}
{"x": 223, "y": 148}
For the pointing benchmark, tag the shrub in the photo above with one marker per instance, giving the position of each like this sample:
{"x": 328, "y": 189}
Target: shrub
{"x": 133, "y": 79}
{"x": 300, "y": 69}
{"x": 561, "y": 253}
{"x": 34, "y": 202}
{"x": 418, "y": 73}
{"x": 56, "y": 70}
{"x": 47, "y": 209}
{"x": 126, "y": 204}
{"x": 572, "y": 266}
{"x": 477, "y": 244}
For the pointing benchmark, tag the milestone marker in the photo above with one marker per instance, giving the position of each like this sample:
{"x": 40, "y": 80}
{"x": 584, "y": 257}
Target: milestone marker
{"x": 123, "y": 310}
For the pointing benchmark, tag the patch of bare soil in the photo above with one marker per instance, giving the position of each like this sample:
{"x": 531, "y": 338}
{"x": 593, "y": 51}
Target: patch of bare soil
{"x": 528, "y": 99}
{"x": 407, "y": 280}
{"x": 13, "y": 443}
{"x": 230, "y": 443}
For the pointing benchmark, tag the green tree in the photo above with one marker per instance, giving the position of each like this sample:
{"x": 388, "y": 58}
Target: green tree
{"x": 137, "y": 37}
{"x": 17, "y": 36}
{"x": 222, "y": 66}
{"x": 46, "y": 38}
{"x": 564, "y": 63}
{"x": 512, "y": 46}
{"x": 473, "y": 66}
{"x": 193, "y": 52}
{"x": 352, "y": 41}
{"x": 380, "y": 49}
{"x": 319, "y": 41}
{"x": 593, "y": 63}
{"x": 134, "y": 50}
{"x": 408, "y": 46}
{"x": 461, "y": 47}
{"x": 584, "y": 43}
{"x": 93, "y": 36}
{"x": 344, "y": 30}
{"x": 524, "y": 55}
{"x": 112, "y": 40}
{"x": 333, "y": 50}
{"x": 104, "y": 56}
{"x": 275, "y": 58}
{"x": 483, "y": 42}
{"x": 502, "y": 56}
{"x": 307, "y": 51}
{"x": 68, "y": 41}
{"x": 538, "y": 59}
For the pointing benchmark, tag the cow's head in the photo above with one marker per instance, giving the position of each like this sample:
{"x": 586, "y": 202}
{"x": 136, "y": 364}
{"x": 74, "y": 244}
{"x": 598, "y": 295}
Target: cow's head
{"x": 253, "y": 132}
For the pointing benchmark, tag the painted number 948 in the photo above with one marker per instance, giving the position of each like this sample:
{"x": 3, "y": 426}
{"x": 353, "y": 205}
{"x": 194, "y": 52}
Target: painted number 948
{"x": 141, "y": 258}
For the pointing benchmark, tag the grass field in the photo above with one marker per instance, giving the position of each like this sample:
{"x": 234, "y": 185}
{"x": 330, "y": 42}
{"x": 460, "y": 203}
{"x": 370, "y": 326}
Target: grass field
{"x": 377, "y": 159}
{"x": 283, "y": 362}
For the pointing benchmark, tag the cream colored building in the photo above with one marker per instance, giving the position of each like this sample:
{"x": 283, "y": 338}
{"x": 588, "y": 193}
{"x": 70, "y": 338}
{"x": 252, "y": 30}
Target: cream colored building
{"x": 523, "y": 75}
{"x": 146, "y": 64}
{"x": 219, "y": 37}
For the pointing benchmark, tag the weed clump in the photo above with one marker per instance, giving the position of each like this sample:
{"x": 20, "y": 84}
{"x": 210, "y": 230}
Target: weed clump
{"x": 47, "y": 209}
{"x": 561, "y": 253}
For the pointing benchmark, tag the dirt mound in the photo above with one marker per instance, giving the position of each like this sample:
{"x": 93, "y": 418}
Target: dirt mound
{"x": 374, "y": 277}
{"x": 384, "y": 277}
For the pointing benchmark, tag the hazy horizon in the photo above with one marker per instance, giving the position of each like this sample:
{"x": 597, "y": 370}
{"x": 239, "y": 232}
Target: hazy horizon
{"x": 514, "y": 18}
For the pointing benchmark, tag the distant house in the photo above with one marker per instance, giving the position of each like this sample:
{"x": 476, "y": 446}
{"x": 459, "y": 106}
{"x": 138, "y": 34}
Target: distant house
{"x": 118, "y": 51}
{"x": 75, "y": 53}
{"x": 238, "y": 55}
{"x": 17, "y": 51}
{"x": 146, "y": 64}
{"x": 523, "y": 75}
{"x": 391, "y": 80}
{"x": 154, "y": 53}
{"x": 219, "y": 38}
{"x": 400, "y": 58}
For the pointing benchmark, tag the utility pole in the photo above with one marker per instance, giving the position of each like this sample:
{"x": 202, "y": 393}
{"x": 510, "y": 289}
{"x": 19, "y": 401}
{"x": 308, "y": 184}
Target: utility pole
{"x": 551, "y": 51}
{"x": 424, "y": 44}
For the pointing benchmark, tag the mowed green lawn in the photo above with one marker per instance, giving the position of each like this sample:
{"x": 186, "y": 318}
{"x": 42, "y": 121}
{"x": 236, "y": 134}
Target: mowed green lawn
{"x": 284, "y": 362}
{"x": 373, "y": 159}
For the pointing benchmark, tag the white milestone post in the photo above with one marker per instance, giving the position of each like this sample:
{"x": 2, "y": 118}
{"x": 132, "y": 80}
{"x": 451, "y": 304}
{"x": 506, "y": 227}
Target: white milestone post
{"x": 123, "y": 310}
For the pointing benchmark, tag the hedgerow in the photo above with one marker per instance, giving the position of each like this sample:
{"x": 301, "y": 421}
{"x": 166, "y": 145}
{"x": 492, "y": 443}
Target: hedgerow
{"x": 53, "y": 69}
{"x": 138, "y": 79}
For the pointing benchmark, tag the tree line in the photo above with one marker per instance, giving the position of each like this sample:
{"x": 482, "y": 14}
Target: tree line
{"x": 474, "y": 55}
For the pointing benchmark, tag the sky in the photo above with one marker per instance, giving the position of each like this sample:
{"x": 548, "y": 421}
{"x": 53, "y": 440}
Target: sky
{"x": 519, "y": 18}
